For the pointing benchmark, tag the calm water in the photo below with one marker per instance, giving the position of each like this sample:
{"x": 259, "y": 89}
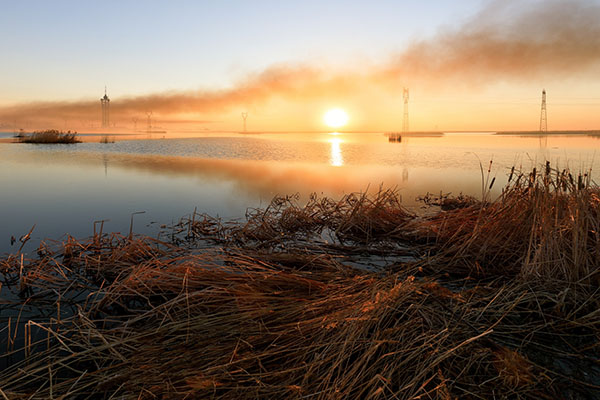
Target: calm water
{"x": 63, "y": 189}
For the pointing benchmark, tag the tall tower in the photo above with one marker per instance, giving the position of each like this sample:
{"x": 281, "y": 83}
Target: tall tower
{"x": 105, "y": 101}
{"x": 405, "y": 118}
{"x": 544, "y": 115}
{"x": 149, "y": 115}
{"x": 244, "y": 116}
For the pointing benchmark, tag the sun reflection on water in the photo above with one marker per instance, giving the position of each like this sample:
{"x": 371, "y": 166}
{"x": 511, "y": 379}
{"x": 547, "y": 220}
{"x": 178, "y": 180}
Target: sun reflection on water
{"x": 335, "y": 157}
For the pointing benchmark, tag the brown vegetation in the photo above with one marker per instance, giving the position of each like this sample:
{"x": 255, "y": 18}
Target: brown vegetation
{"x": 50, "y": 136}
{"x": 496, "y": 299}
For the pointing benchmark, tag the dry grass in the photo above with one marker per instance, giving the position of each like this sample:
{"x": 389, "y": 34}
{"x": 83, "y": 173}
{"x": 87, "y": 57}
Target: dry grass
{"x": 545, "y": 225}
{"x": 50, "y": 136}
{"x": 499, "y": 300}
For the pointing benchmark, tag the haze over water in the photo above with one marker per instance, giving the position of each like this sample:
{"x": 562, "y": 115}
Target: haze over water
{"x": 63, "y": 189}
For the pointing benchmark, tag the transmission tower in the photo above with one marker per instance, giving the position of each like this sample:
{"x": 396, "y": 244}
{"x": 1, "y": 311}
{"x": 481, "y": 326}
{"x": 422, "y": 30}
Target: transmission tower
{"x": 105, "y": 101}
{"x": 544, "y": 114}
{"x": 244, "y": 116}
{"x": 149, "y": 115}
{"x": 405, "y": 118}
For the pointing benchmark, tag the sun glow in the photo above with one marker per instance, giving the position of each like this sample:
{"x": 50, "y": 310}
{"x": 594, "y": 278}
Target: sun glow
{"x": 335, "y": 118}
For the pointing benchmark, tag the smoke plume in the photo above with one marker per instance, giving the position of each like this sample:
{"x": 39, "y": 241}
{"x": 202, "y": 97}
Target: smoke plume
{"x": 506, "y": 41}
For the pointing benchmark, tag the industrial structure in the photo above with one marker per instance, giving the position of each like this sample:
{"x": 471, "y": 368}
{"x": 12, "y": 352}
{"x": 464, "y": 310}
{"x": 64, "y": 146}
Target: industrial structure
{"x": 405, "y": 118}
{"x": 149, "y": 115}
{"x": 544, "y": 115}
{"x": 105, "y": 101}
{"x": 244, "y": 116}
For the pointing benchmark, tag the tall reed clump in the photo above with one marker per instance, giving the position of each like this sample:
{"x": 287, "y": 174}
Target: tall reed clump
{"x": 545, "y": 224}
{"x": 50, "y": 136}
{"x": 275, "y": 311}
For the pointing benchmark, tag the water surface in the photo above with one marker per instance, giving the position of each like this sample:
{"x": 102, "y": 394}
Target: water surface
{"x": 63, "y": 189}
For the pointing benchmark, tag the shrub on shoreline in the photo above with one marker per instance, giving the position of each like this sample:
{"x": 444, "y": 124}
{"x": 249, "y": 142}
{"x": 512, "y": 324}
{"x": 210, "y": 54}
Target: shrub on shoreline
{"x": 50, "y": 136}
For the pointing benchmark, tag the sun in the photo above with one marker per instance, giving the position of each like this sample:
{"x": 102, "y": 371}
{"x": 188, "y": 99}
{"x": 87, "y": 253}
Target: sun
{"x": 335, "y": 118}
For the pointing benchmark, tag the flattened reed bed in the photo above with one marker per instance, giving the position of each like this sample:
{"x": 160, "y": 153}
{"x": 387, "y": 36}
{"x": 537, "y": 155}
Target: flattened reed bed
{"x": 499, "y": 299}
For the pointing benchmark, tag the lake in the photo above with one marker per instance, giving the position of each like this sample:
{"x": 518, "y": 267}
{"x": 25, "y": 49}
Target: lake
{"x": 63, "y": 189}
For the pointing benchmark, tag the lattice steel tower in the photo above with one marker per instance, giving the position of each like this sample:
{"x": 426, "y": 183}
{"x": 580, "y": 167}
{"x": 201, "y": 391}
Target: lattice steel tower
{"x": 405, "y": 118}
{"x": 244, "y": 116}
{"x": 149, "y": 115}
{"x": 105, "y": 101}
{"x": 544, "y": 114}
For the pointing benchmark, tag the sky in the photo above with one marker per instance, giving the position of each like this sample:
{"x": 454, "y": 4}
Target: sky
{"x": 469, "y": 64}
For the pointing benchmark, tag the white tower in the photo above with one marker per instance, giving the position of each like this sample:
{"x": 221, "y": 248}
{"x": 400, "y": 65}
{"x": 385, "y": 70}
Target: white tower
{"x": 105, "y": 101}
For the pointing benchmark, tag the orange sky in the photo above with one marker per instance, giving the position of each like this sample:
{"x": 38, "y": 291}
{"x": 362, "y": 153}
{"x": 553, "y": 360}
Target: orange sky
{"x": 485, "y": 74}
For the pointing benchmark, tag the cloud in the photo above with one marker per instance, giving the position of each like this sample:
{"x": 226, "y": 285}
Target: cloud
{"x": 506, "y": 41}
{"x": 286, "y": 81}
{"x": 509, "y": 40}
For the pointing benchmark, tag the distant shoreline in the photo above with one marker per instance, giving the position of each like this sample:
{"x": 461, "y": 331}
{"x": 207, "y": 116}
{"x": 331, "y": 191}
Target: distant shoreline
{"x": 415, "y": 133}
{"x": 549, "y": 133}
